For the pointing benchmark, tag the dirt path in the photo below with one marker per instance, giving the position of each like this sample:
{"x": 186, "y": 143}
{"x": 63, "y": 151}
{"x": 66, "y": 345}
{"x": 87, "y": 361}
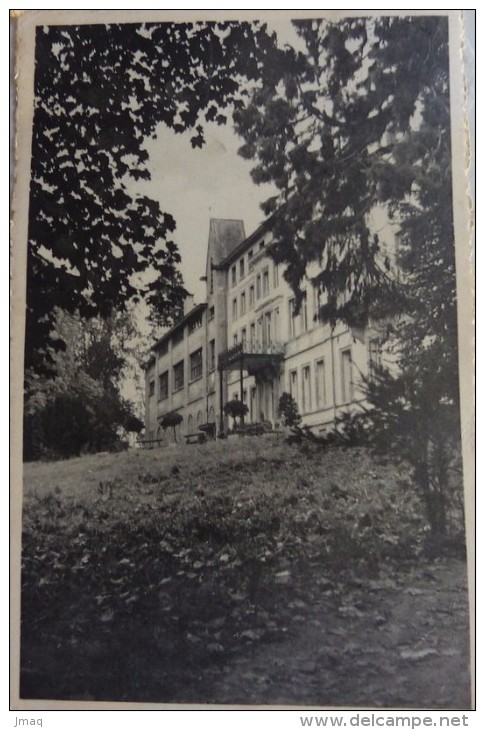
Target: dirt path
{"x": 386, "y": 643}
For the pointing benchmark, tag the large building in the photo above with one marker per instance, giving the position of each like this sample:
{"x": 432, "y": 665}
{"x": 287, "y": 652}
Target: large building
{"x": 245, "y": 341}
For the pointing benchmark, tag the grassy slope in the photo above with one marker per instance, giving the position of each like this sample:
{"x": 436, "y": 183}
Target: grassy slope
{"x": 189, "y": 557}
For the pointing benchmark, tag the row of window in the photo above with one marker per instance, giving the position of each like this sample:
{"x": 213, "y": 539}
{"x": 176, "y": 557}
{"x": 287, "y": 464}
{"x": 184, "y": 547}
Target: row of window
{"x": 178, "y": 336}
{"x": 178, "y": 372}
{"x": 260, "y": 288}
{"x": 264, "y": 329}
{"x": 311, "y": 393}
{"x": 314, "y": 396}
{"x": 240, "y": 267}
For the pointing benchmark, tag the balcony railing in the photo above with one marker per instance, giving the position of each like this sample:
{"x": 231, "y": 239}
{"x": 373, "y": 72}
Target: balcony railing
{"x": 250, "y": 347}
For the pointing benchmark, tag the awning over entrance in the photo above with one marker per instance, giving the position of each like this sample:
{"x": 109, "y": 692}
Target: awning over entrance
{"x": 253, "y": 356}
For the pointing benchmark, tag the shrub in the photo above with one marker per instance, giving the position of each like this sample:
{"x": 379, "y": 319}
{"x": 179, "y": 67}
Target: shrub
{"x": 172, "y": 420}
{"x": 236, "y": 409}
{"x": 288, "y": 410}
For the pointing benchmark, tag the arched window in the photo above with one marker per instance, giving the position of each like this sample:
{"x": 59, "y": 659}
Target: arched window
{"x": 199, "y": 419}
{"x": 190, "y": 424}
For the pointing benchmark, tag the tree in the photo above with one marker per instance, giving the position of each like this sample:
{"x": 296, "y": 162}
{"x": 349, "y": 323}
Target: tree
{"x": 172, "y": 420}
{"x": 85, "y": 380}
{"x": 133, "y": 424}
{"x": 236, "y": 409}
{"x": 347, "y": 113}
{"x": 100, "y": 91}
{"x": 361, "y": 119}
{"x": 288, "y": 410}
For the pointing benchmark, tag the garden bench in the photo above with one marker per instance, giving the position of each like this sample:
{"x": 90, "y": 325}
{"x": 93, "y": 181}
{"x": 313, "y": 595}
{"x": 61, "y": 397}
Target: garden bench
{"x": 148, "y": 443}
{"x": 196, "y": 438}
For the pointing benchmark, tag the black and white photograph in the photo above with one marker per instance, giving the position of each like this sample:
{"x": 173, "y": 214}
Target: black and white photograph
{"x": 242, "y": 300}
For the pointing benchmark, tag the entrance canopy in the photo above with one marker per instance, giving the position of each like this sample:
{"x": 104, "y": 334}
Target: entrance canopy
{"x": 251, "y": 356}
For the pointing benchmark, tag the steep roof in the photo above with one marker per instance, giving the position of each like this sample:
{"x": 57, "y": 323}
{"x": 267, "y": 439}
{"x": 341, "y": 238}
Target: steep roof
{"x": 224, "y": 235}
{"x": 246, "y": 243}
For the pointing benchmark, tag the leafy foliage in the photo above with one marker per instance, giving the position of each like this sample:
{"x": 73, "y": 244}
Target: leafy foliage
{"x": 172, "y": 420}
{"x": 354, "y": 112}
{"x": 288, "y": 410}
{"x": 79, "y": 406}
{"x": 361, "y": 120}
{"x": 133, "y": 424}
{"x": 100, "y": 91}
{"x": 174, "y": 571}
{"x": 236, "y": 409}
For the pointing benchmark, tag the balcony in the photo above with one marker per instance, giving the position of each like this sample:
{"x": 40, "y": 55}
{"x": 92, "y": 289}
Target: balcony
{"x": 252, "y": 355}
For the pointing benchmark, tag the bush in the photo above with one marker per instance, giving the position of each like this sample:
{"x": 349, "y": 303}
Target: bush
{"x": 288, "y": 410}
{"x": 172, "y": 419}
{"x": 236, "y": 409}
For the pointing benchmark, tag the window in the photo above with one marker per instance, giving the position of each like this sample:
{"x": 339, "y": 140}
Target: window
{"x": 292, "y": 318}
{"x": 234, "y": 308}
{"x": 265, "y": 283}
{"x": 316, "y": 303}
{"x": 234, "y": 339}
{"x": 211, "y": 313}
{"x": 195, "y": 324}
{"x": 243, "y": 302}
{"x": 258, "y": 287}
{"x": 233, "y": 275}
{"x": 375, "y": 356}
{"x": 212, "y": 356}
{"x": 178, "y": 336}
{"x": 151, "y": 387}
{"x": 261, "y": 245}
{"x": 243, "y": 335}
{"x": 321, "y": 394}
{"x": 346, "y": 375}
{"x": 304, "y": 315}
{"x": 163, "y": 386}
{"x": 267, "y": 327}
{"x": 163, "y": 348}
{"x": 306, "y": 390}
{"x": 251, "y": 295}
{"x": 275, "y": 276}
{"x": 250, "y": 255}
{"x": 294, "y": 385}
{"x": 252, "y": 332}
{"x": 178, "y": 376}
{"x": 196, "y": 365}
{"x": 241, "y": 269}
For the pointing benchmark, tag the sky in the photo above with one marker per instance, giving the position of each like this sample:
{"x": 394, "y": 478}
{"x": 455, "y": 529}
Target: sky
{"x": 195, "y": 185}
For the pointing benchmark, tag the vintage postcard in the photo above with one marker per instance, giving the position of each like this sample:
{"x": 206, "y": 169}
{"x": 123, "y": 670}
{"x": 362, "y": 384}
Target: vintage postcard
{"x": 242, "y": 294}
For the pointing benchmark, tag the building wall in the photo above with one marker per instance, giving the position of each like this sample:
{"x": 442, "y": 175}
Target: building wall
{"x": 249, "y": 301}
{"x": 177, "y": 353}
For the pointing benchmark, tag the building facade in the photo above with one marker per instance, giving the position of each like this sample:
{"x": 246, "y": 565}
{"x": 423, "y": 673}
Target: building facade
{"x": 246, "y": 341}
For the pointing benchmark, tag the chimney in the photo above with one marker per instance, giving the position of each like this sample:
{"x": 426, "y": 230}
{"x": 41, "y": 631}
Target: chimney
{"x": 188, "y": 303}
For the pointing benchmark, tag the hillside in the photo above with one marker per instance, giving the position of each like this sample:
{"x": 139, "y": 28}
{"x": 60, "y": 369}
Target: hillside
{"x": 243, "y": 571}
